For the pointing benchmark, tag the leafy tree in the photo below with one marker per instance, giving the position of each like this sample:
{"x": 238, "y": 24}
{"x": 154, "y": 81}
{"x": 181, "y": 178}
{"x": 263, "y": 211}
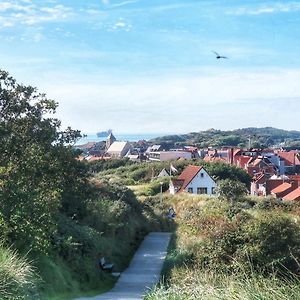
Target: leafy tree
{"x": 231, "y": 190}
{"x": 37, "y": 168}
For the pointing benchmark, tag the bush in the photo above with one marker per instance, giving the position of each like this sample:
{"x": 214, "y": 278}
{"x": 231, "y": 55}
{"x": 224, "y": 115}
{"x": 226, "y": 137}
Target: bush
{"x": 272, "y": 242}
{"x": 230, "y": 238}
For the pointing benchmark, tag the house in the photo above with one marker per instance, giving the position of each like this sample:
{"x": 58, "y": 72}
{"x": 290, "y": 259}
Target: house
{"x": 293, "y": 196}
{"x": 163, "y": 173}
{"x": 194, "y": 180}
{"x": 258, "y": 184}
{"x": 291, "y": 161}
{"x": 284, "y": 189}
{"x": 119, "y": 149}
{"x": 153, "y": 148}
{"x": 260, "y": 164}
{"x": 168, "y": 155}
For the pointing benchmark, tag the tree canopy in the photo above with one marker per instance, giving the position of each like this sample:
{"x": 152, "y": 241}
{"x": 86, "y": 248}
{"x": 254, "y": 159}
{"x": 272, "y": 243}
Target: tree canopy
{"x": 38, "y": 170}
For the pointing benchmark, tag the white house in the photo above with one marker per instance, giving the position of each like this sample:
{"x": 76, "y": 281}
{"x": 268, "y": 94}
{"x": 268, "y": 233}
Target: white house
{"x": 119, "y": 149}
{"x": 194, "y": 180}
{"x": 168, "y": 155}
{"x": 163, "y": 173}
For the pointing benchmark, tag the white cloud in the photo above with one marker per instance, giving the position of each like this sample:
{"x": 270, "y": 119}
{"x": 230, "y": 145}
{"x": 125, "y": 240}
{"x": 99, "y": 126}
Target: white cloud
{"x": 267, "y": 9}
{"x": 121, "y": 25}
{"x": 28, "y": 14}
{"x": 124, "y": 3}
{"x": 223, "y": 100}
{"x": 5, "y": 6}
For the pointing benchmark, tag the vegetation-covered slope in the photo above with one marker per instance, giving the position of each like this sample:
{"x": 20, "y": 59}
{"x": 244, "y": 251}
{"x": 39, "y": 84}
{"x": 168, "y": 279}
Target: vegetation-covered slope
{"x": 51, "y": 208}
{"x": 223, "y": 249}
{"x": 260, "y": 137}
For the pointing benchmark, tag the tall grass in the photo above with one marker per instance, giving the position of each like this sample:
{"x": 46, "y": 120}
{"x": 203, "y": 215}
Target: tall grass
{"x": 195, "y": 285}
{"x": 17, "y": 276}
{"x": 231, "y": 251}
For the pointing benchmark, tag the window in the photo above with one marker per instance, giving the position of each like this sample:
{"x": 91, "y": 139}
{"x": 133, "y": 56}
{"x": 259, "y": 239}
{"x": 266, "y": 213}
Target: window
{"x": 201, "y": 190}
{"x": 190, "y": 190}
{"x": 213, "y": 190}
{"x": 202, "y": 174}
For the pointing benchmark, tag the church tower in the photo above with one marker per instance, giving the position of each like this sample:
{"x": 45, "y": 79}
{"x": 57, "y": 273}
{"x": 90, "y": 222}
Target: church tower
{"x": 110, "y": 140}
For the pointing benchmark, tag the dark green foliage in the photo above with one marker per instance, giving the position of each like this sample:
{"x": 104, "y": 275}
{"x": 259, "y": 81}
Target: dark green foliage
{"x": 260, "y": 137}
{"x": 50, "y": 206}
{"x": 233, "y": 239}
{"x": 35, "y": 166}
{"x": 102, "y": 165}
{"x": 272, "y": 242}
{"x": 231, "y": 190}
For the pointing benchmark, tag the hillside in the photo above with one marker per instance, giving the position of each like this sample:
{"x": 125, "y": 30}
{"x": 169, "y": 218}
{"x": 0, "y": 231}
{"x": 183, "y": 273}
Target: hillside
{"x": 260, "y": 137}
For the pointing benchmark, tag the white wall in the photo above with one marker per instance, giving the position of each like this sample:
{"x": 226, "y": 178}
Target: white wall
{"x": 169, "y": 155}
{"x": 206, "y": 182}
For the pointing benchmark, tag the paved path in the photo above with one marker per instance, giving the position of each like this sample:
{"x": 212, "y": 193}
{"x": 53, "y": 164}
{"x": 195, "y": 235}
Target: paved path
{"x": 143, "y": 272}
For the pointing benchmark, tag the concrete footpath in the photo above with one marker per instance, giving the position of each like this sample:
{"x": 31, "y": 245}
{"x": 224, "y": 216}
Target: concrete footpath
{"x": 143, "y": 272}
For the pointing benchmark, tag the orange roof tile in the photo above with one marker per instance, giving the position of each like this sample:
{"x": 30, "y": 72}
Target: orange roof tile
{"x": 294, "y": 195}
{"x": 213, "y": 158}
{"x": 289, "y": 157}
{"x": 188, "y": 174}
{"x": 281, "y": 188}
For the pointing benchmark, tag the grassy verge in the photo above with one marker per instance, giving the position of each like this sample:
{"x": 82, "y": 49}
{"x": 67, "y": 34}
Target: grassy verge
{"x": 225, "y": 250}
{"x": 195, "y": 285}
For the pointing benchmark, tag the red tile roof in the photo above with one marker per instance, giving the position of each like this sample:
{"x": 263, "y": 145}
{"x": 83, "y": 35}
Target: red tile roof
{"x": 242, "y": 161}
{"x": 281, "y": 188}
{"x": 212, "y": 158}
{"x": 188, "y": 174}
{"x": 289, "y": 157}
{"x": 294, "y": 177}
{"x": 294, "y": 195}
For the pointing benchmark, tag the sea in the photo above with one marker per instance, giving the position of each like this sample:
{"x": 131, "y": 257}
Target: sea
{"x": 120, "y": 137}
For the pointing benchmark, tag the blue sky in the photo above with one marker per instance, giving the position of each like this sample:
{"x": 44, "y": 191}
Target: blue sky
{"x": 148, "y": 66}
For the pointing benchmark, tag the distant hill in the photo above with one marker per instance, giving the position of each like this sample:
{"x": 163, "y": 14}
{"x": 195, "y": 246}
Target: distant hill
{"x": 259, "y": 138}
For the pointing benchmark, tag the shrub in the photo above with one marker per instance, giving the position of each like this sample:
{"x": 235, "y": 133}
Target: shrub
{"x": 272, "y": 242}
{"x": 231, "y": 190}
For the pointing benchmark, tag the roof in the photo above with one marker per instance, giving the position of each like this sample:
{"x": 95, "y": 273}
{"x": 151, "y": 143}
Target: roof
{"x": 294, "y": 195}
{"x": 177, "y": 183}
{"x": 188, "y": 174}
{"x": 294, "y": 177}
{"x": 289, "y": 157}
{"x": 88, "y": 145}
{"x": 117, "y": 146}
{"x": 213, "y": 158}
{"x": 243, "y": 160}
{"x": 93, "y": 158}
{"x": 153, "y": 148}
{"x": 281, "y": 188}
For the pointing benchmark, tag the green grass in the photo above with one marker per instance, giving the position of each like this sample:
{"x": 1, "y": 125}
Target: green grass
{"x": 18, "y": 279}
{"x": 188, "y": 272}
{"x": 195, "y": 285}
{"x": 72, "y": 295}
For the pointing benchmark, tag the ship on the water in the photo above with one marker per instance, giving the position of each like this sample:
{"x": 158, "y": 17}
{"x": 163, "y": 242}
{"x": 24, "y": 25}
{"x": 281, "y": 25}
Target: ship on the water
{"x": 104, "y": 133}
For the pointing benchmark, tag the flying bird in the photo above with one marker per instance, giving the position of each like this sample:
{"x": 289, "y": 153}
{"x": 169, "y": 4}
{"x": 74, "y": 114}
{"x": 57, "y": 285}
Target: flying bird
{"x": 218, "y": 56}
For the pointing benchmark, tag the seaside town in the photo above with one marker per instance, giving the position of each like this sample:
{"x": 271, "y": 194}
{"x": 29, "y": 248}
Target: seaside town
{"x": 274, "y": 172}
{"x": 150, "y": 150}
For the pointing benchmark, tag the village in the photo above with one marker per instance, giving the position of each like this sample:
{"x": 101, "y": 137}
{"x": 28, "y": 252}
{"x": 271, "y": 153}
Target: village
{"x": 273, "y": 171}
